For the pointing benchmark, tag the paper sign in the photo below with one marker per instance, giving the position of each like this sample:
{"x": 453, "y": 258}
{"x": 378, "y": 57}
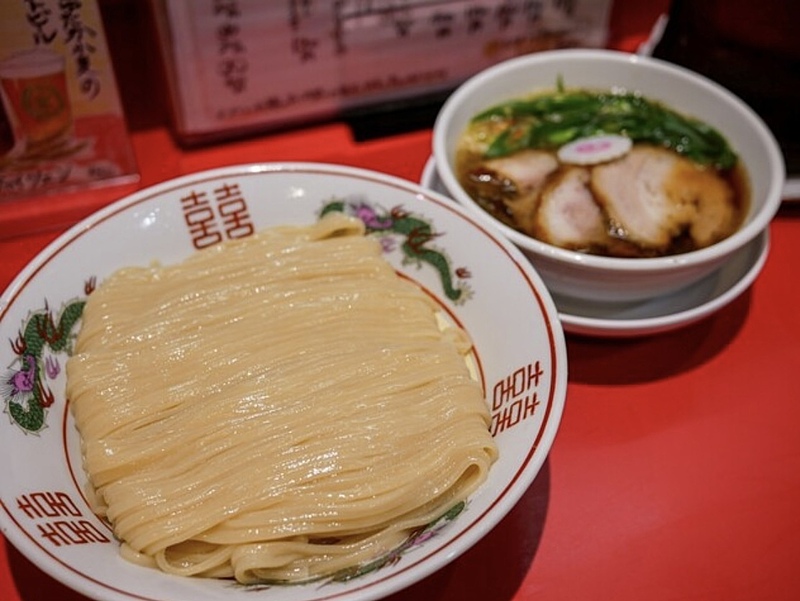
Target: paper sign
{"x": 238, "y": 64}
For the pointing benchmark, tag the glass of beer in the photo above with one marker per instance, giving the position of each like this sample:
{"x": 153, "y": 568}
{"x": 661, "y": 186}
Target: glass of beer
{"x": 35, "y": 86}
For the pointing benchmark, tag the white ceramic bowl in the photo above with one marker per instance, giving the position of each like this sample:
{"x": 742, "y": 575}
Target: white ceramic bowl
{"x": 581, "y": 275}
{"x": 476, "y": 276}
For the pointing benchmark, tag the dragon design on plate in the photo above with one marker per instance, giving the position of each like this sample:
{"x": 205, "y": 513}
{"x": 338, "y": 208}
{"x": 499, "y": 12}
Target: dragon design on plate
{"x": 44, "y": 341}
{"x": 416, "y": 235}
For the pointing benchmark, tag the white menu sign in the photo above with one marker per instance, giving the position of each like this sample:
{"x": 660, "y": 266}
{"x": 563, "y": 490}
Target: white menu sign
{"x": 235, "y": 65}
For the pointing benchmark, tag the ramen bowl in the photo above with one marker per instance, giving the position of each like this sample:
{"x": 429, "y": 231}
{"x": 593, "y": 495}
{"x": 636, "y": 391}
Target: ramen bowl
{"x": 601, "y": 278}
{"x": 478, "y": 280}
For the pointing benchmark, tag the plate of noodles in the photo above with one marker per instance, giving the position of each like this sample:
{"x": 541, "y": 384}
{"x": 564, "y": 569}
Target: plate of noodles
{"x": 316, "y": 380}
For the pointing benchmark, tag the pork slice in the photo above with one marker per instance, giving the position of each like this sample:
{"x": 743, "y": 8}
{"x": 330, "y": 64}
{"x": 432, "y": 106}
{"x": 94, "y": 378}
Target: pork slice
{"x": 528, "y": 168}
{"x": 568, "y": 215}
{"x": 652, "y": 196}
{"x": 714, "y": 211}
{"x": 512, "y": 184}
{"x": 634, "y": 193}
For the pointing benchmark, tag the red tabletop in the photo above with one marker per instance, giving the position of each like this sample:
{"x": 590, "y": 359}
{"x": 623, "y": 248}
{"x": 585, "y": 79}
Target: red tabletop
{"x": 675, "y": 474}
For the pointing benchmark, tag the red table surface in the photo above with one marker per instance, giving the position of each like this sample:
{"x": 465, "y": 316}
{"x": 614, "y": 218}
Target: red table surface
{"x": 676, "y": 471}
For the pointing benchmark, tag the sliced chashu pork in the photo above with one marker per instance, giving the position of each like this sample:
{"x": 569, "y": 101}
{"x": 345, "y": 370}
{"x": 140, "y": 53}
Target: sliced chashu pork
{"x": 510, "y": 186}
{"x": 713, "y": 198}
{"x": 568, "y": 215}
{"x": 652, "y": 195}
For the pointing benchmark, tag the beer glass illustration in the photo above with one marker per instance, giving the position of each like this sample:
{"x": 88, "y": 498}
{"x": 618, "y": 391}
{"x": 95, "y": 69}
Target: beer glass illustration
{"x": 35, "y": 87}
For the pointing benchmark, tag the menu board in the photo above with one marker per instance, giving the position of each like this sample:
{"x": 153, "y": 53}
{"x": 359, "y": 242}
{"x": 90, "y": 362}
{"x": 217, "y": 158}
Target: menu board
{"x": 235, "y": 65}
{"x": 61, "y": 120}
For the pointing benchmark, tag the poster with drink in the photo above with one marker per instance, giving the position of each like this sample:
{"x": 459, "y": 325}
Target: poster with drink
{"x": 62, "y": 125}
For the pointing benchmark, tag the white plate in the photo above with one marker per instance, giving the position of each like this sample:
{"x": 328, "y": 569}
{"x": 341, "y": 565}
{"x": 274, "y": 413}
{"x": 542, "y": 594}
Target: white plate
{"x": 662, "y": 314}
{"x": 481, "y": 280}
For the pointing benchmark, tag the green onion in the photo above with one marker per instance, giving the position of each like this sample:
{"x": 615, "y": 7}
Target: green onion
{"x": 549, "y": 121}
